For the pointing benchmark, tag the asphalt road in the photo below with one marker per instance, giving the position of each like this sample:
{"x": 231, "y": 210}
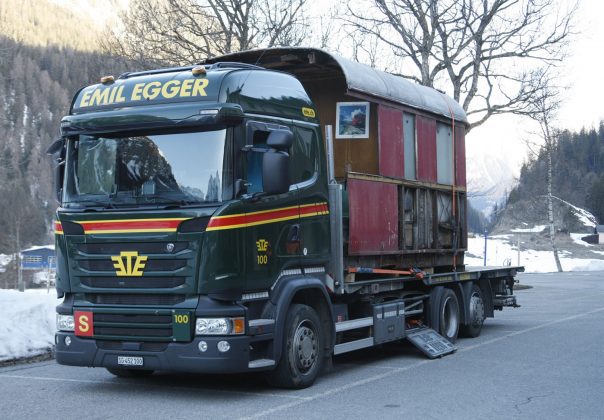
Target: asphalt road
{"x": 542, "y": 360}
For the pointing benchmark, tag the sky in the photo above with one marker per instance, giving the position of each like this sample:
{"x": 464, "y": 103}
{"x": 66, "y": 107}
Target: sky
{"x": 506, "y": 136}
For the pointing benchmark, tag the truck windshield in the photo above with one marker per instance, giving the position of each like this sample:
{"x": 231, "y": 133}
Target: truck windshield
{"x": 164, "y": 169}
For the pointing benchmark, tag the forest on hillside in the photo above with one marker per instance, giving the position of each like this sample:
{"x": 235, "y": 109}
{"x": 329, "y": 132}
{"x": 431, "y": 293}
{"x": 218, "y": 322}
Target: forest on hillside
{"x": 36, "y": 87}
{"x": 578, "y": 171}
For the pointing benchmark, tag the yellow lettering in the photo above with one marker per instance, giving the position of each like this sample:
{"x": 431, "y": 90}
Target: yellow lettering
{"x": 199, "y": 87}
{"x": 83, "y": 321}
{"x": 120, "y": 95}
{"x": 85, "y": 98}
{"x": 185, "y": 89}
{"x": 99, "y": 97}
{"x": 169, "y": 92}
{"x": 151, "y": 90}
{"x": 112, "y": 96}
{"x": 136, "y": 92}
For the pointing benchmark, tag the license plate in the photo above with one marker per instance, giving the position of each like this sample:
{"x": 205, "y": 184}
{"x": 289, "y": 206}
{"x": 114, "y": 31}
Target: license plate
{"x": 129, "y": 361}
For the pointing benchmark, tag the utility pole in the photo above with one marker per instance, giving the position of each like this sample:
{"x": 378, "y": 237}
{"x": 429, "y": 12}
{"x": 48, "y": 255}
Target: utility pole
{"x": 20, "y": 283}
{"x": 485, "y": 248}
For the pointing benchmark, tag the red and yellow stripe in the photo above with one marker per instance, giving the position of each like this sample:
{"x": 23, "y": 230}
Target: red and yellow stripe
{"x": 235, "y": 221}
{"x": 127, "y": 225}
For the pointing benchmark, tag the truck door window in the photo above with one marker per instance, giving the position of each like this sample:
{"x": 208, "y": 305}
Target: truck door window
{"x": 257, "y": 134}
{"x": 254, "y": 161}
{"x": 304, "y": 155}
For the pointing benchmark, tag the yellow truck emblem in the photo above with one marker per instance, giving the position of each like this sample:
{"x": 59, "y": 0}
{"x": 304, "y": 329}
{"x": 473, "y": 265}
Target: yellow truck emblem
{"x": 129, "y": 263}
{"x": 262, "y": 245}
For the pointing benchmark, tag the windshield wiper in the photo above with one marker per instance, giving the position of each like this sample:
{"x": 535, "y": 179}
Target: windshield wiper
{"x": 102, "y": 204}
{"x": 168, "y": 200}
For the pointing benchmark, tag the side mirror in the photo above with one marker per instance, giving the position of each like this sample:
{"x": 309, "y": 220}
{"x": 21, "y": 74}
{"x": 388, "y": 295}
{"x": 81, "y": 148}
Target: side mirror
{"x": 57, "y": 150}
{"x": 275, "y": 172}
{"x": 280, "y": 139}
{"x": 56, "y": 146}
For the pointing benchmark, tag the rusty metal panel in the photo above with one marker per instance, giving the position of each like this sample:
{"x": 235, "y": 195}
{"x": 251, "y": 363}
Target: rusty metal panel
{"x": 426, "y": 149}
{"x": 460, "y": 156}
{"x": 390, "y": 123}
{"x": 373, "y": 212}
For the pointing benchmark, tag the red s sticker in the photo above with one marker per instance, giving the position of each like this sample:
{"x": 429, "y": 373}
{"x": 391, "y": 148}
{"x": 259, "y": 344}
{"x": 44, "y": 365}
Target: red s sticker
{"x": 83, "y": 323}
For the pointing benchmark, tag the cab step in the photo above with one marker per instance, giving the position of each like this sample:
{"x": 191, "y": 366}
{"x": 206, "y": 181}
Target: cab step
{"x": 431, "y": 343}
{"x": 261, "y": 363}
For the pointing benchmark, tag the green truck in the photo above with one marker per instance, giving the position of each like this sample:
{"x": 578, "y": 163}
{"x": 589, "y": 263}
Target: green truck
{"x": 263, "y": 211}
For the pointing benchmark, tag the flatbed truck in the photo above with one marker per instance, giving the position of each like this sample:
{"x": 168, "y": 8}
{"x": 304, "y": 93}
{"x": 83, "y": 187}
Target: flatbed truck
{"x": 263, "y": 211}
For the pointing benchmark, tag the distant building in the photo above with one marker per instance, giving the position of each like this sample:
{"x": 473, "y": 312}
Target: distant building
{"x": 600, "y": 232}
{"x": 39, "y": 258}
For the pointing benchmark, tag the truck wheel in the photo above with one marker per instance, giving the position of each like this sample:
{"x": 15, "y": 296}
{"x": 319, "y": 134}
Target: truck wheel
{"x": 302, "y": 356}
{"x": 475, "y": 314}
{"x": 448, "y": 311}
{"x": 130, "y": 373}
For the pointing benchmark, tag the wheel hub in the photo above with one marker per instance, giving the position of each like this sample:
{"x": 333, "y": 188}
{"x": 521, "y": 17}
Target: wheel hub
{"x": 305, "y": 346}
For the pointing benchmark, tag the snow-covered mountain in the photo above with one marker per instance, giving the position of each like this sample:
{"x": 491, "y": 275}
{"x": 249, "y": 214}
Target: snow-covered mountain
{"x": 490, "y": 178}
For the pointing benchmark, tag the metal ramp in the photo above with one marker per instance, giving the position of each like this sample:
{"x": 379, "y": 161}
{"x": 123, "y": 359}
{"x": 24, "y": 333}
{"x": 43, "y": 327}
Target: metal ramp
{"x": 431, "y": 343}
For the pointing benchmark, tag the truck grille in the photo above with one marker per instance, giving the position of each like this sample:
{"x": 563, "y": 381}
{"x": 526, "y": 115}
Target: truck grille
{"x": 141, "y": 247}
{"x": 168, "y": 267}
{"x": 133, "y": 299}
{"x": 133, "y": 282}
{"x": 156, "y": 326}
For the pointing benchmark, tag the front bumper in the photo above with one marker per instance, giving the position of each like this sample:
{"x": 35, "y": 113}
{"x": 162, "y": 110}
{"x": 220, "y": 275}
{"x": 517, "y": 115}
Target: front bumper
{"x": 183, "y": 357}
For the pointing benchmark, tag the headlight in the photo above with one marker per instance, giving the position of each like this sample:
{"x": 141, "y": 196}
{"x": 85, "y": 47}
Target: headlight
{"x": 64, "y": 322}
{"x": 219, "y": 326}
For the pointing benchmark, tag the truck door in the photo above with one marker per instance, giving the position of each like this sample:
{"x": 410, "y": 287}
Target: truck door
{"x": 272, "y": 221}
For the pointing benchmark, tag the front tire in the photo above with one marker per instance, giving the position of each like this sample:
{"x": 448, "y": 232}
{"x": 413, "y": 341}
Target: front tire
{"x": 303, "y": 347}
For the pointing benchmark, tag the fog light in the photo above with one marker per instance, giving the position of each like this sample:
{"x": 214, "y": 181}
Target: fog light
{"x": 56, "y": 339}
{"x": 67, "y": 341}
{"x": 223, "y": 346}
{"x": 202, "y": 346}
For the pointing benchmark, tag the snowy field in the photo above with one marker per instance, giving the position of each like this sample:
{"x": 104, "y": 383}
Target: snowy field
{"x": 27, "y": 322}
{"x": 500, "y": 252}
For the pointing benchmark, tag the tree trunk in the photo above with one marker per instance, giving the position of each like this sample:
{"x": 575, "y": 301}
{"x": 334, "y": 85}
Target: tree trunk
{"x": 550, "y": 209}
{"x": 20, "y": 282}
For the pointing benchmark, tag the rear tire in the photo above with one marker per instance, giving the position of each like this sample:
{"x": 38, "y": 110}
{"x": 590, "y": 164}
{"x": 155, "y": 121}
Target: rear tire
{"x": 303, "y": 350}
{"x": 130, "y": 373}
{"x": 448, "y": 316}
{"x": 475, "y": 313}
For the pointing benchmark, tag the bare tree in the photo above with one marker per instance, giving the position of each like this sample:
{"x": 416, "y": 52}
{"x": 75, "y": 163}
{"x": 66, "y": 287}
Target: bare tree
{"x": 169, "y": 32}
{"x": 543, "y": 108}
{"x": 470, "y": 47}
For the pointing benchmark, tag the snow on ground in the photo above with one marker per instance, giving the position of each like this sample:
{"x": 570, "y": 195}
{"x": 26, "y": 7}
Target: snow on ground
{"x": 534, "y": 229}
{"x": 27, "y": 322}
{"x": 576, "y": 237}
{"x": 500, "y": 252}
